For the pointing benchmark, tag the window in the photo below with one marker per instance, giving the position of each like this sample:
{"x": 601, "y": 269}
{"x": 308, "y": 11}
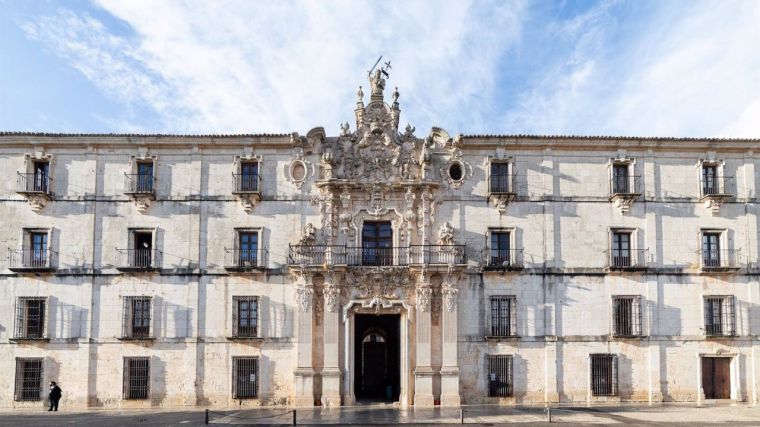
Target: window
{"x": 710, "y": 179}
{"x": 500, "y": 249}
{"x": 245, "y": 316}
{"x": 620, "y": 179}
{"x": 248, "y": 248}
{"x": 144, "y": 178}
{"x": 621, "y": 249}
{"x": 142, "y": 249}
{"x": 503, "y": 316}
{"x": 30, "y": 318}
{"x": 377, "y": 243}
{"x": 136, "y": 377}
{"x": 249, "y": 177}
{"x": 499, "y": 376}
{"x": 136, "y": 317}
{"x": 28, "y": 379}
{"x": 455, "y": 171}
{"x": 245, "y": 374}
{"x": 604, "y": 376}
{"x": 720, "y": 319}
{"x": 38, "y": 245}
{"x": 40, "y": 176}
{"x": 711, "y": 249}
{"x": 500, "y": 178}
{"x": 626, "y": 316}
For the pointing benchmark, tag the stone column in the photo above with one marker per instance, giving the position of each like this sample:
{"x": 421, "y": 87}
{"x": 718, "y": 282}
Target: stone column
{"x": 331, "y": 371}
{"x": 304, "y": 373}
{"x": 423, "y": 372}
{"x": 450, "y": 359}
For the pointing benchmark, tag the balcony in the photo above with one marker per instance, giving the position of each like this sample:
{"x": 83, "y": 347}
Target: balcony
{"x": 245, "y": 260}
{"x": 719, "y": 260}
{"x": 624, "y": 190}
{"x": 630, "y": 260}
{"x": 246, "y": 184}
{"x": 135, "y": 260}
{"x": 715, "y": 190}
{"x": 34, "y": 183}
{"x": 503, "y": 259}
{"x": 139, "y": 185}
{"x": 32, "y": 260}
{"x": 379, "y": 257}
{"x": 501, "y": 191}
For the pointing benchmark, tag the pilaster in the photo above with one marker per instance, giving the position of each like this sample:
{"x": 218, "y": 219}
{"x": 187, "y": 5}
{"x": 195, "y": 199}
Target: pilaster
{"x": 304, "y": 373}
{"x": 450, "y": 358}
{"x": 331, "y": 374}
{"x": 423, "y": 372}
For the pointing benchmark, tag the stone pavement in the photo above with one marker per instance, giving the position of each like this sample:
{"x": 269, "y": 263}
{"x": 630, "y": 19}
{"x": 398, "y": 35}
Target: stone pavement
{"x": 657, "y": 415}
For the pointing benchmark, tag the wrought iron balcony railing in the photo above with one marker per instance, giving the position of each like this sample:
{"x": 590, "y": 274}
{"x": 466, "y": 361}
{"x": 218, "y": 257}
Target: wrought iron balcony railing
{"x": 719, "y": 259}
{"x": 502, "y": 184}
{"x": 245, "y": 259}
{"x": 719, "y": 185}
{"x": 384, "y": 256}
{"x": 630, "y": 259}
{"x": 506, "y": 259}
{"x": 246, "y": 183}
{"x": 138, "y": 259}
{"x": 625, "y": 185}
{"x": 30, "y": 259}
{"x": 34, "y": 183}
{"x": 139, "y": 184}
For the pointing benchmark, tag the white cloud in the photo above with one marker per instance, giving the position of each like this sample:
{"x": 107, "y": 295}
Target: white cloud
{"x": 693, "y": 71}
{"x": 280, "y": 67}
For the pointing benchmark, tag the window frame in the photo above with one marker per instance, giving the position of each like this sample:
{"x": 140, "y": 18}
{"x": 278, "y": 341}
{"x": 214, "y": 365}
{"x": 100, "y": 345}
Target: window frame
{"x": 20, "y": 381}
{"x": 511, "y": 254}
{"x": 128, "y": 387}
{"x": 236, "y": 377}
{"x": 236, "y": 300}
{"x": 508, "y": 163}
{"x": 726, "y": 316}
{"x": 635, "y": 315}
{"x": 21, "y": 326}
{"x": 506, "y": 363}
{"x": 599, "y": 387}
{"x": 129, "y": 306}
{"x": 496, "y": 326}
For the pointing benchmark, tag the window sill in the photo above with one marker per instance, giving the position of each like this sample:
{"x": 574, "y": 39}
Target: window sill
{"x": 628, "y": 268}
{"x": 136, "y": 338}
{"x": 502, "y": 338}
{"x": 628, "y": 337}
{"x": 17, "y": 339}
{"x": 721, "y": 336}
{"x": 239, "y": 338}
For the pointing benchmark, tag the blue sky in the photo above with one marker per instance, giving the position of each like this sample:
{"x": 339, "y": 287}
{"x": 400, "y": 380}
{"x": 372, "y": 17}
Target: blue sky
{"x": 648, "y": 68}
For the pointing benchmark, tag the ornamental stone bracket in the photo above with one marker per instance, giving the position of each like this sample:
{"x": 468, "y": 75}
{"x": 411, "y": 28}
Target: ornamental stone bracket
{"x": 623, "y": 201}
{"x": 304, "y": 298}
{"x": 714, "y": 202}
{"x": 500, "y": 201}
{"x": 142, "y": 202}
{"x": 424, "y": 296}
{"x": 449, "y": 293}
{"x": 38, "y": 201}
{"x": 332, "y": 294}
{"x": 248, "y": 201}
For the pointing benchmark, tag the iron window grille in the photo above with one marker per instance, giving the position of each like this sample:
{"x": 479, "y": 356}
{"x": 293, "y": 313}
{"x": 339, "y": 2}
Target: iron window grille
{"x": 720, "y": 317}
{"x": 136, "y": 317}
{"x": 136, "y": 377}
{"x": 245, "y": 316}
{"x": 604, "y": 375}
{"x": 501, "y": 178}
{"x": 30, "y": 318}
{"x": 621, "y": 179}
{"x": 503, "y": 320}
{"x": 500, "y": 382}
{"x": 245, "y": 377}
{"x": 29, "y": 373}
{"x": 626, "y": 316}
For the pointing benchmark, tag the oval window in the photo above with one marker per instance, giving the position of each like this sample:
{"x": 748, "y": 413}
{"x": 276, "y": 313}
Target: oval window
{"x": 455, "y": 171}
{"x": 298, "y": 171}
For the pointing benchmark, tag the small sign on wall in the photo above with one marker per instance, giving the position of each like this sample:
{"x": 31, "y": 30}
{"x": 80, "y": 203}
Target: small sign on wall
{"x": 253, "y": 378}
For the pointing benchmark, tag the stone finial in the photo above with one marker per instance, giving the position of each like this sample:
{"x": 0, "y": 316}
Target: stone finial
{"x": 360, "y": 96}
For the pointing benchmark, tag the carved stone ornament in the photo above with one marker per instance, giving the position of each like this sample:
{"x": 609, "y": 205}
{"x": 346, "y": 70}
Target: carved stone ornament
{"x": 424, "y": 297}
{"x": 446, "y": 234}
{"x": 142, "y": 204}
{"x": 248, "y": 198}
{"x": 332, "y": 297}
{"x": 449, "y": 293}
{"x": 304, "y": 297}
{"x": 299, "y": 170}
{"x": 308, "y": 235}
{"x": 501, "y": 201}
{"x": 456, "y": 170}
{"x": 379, "y": 285}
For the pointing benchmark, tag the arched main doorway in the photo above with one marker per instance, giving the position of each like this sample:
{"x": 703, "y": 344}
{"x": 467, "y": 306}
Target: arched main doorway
{"x": 377, "y": 357}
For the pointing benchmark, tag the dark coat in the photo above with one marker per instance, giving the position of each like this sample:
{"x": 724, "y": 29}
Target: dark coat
{"x": 55, "y": 392}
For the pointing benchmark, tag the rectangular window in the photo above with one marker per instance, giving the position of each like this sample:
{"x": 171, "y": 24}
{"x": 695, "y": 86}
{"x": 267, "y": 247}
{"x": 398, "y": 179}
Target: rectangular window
{"x": 620, "y": 179}
{"x": 621, "y": 249}
{"x": 28, "y": 379}
{"x": 249, "y": 177}
{"x": 142, "y": 249}
{"x": 501, "y": 255}
{"x": 136, "y": 377}
{"x": 136, "y": 317}
{"x": 248, "y": 248}
{"x": 711, "y": 250}
{"x": 41, "y": 173}
{"x": 499, "y": 376}
{"x": 377, "y": 243}
{"x": 245, "y": 320}
{"x": 144, "y": 178}
{"x": 710, "y": 180}
{"x": 604, "y": 375}
{"x": 626, "y": 316}
{"x": 38, "y": 249}
{"x": 30, "y": 317}
{"x": 500, "y": 178}
{"x": 720, "y": 318}
{"x": 245, "y": 375}
{"x": 503, "y": 316}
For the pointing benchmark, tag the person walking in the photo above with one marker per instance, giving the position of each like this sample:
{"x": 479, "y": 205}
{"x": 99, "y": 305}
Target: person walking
{"x": 54, "y": 395}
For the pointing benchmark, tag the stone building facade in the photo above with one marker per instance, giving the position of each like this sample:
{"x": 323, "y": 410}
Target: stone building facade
{"x": 166, "y": 270}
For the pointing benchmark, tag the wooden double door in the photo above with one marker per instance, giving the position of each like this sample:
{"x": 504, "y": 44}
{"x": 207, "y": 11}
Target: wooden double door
{"x": 716, "y": 377}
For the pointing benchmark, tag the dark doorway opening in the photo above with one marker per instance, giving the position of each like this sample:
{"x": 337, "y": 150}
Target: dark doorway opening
{"x": 377, "y": 357}
{"x": 716, "y": 377}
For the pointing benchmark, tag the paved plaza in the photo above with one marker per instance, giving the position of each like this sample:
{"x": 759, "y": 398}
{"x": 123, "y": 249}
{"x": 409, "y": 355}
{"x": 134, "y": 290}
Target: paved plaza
{"x": 486, "y": 415}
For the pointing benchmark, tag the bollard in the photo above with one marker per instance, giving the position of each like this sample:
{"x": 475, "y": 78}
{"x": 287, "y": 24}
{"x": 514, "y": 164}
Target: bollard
{"x": 461, "y": 416}
{"x": 294, "y": 417}
{"x": 206, "y": 416}
{"x": 549, "y": 414}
